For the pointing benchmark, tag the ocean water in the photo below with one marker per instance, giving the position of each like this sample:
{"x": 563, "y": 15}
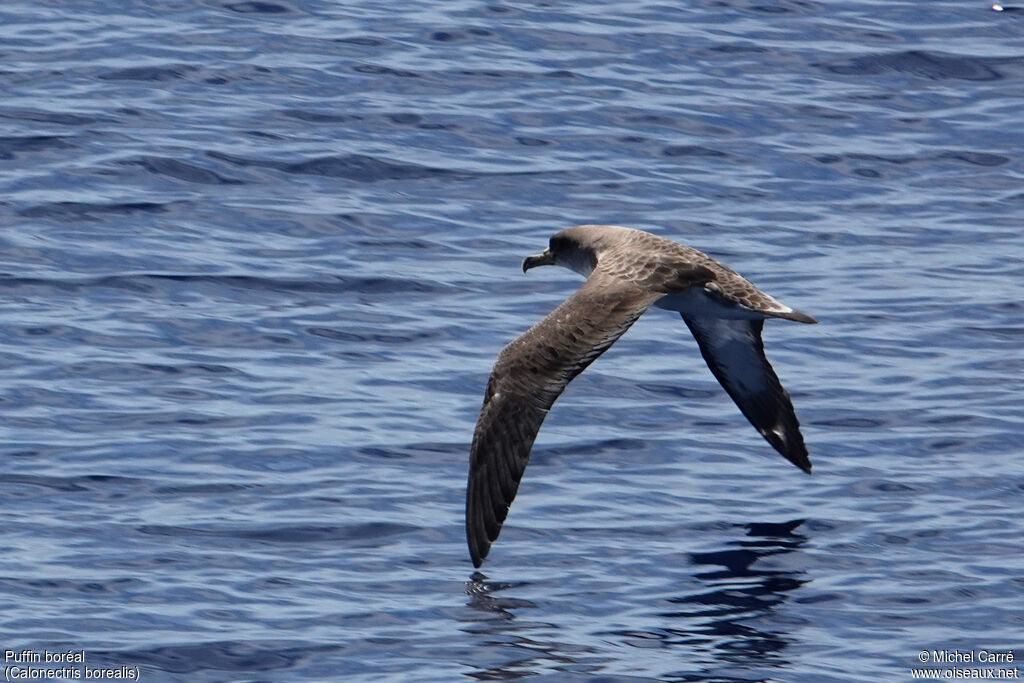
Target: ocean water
{"x": 257, "y": 258}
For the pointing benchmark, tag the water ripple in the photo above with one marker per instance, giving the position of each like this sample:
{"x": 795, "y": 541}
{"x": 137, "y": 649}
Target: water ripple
{"x": 258, "y": 258}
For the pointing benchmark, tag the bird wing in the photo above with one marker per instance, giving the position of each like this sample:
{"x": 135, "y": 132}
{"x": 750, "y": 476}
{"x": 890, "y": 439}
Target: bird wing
{"x": 735, "y": 353}
{"x": 530, "y": 373}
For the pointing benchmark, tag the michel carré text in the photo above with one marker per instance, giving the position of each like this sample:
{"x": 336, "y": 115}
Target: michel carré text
{"x": 970, "y": 656}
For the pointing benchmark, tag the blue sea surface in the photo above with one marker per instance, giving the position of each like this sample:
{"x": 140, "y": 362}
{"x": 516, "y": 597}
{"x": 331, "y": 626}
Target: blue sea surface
{"x": 257, "y": 258}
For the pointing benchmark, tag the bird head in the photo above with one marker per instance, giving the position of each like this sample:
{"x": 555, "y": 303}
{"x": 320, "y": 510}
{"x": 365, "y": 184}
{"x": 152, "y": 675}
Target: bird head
{"x": 574, "y": 248}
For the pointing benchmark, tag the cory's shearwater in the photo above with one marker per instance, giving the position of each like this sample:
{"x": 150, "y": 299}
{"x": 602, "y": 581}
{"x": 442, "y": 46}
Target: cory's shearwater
{"x": 627, "y": 272}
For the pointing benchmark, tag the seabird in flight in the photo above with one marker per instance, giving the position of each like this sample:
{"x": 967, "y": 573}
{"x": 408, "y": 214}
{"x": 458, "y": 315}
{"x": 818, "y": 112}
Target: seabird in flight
{"x": 627, "y": 272}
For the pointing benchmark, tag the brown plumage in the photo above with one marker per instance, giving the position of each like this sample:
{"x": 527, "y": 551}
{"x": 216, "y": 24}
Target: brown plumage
{"x": 627, "y": 272}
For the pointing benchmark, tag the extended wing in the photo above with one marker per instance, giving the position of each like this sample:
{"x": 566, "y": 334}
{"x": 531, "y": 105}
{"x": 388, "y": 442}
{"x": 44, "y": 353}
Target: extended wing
{"x": 530, "y": 373}
{"x": 735, "y": 353}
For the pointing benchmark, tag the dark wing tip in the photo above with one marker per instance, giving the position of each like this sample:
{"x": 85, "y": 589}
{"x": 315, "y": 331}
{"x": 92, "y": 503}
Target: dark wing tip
{"x": 478, "y": 538}
{"x": 790, "y": 443}
{"x": 477, "y": 541}
{"x": 799, "y": 317}
{"x": 501, "y": 448}
{"x": 803, "y": 462}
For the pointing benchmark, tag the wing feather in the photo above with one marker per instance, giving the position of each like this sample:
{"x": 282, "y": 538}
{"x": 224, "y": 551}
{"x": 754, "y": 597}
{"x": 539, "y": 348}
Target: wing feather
{"x": 529, "y": 375}
{"x": 734, "y": 351}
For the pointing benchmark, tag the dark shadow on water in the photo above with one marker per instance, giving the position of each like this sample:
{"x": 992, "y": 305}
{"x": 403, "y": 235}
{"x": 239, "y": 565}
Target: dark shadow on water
{"x": 739, "y": 591}
{"x": 726, "y": 631}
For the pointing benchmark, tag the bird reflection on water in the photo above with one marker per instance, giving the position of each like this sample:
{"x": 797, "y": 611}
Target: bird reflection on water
{"x": 719, "y": 632}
